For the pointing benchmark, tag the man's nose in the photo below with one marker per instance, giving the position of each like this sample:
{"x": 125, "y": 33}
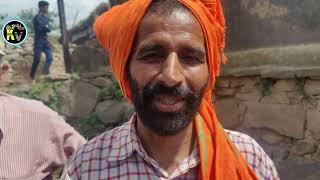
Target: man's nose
{"x": 171, "y": 71}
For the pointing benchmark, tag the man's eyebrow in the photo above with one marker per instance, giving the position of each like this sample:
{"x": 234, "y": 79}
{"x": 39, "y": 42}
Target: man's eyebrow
{"x": 150, "y": 47}
{"x": 198, "y": 51}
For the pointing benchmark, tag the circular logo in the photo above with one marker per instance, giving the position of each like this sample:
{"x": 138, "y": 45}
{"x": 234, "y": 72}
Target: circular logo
{"x": 14, "y": 32}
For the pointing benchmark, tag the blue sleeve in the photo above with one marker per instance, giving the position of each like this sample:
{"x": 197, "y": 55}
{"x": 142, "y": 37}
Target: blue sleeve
{"x": 41, "y": 24}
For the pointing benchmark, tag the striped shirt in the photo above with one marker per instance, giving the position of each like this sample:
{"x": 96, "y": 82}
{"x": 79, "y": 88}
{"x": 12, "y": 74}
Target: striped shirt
{"x": 118, "y": 154}
{"x": 34, "y": 140}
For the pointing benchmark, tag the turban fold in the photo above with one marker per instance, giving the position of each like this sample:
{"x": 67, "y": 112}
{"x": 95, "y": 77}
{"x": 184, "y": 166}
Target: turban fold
{"x": 116, "y": 30}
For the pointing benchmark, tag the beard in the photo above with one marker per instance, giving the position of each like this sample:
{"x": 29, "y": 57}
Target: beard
{"x": 165, "y": 123}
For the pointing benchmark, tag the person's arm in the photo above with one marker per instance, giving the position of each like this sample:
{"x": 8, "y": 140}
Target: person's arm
{"x": 66, "y": 139}
{"x": 41, "y": 24}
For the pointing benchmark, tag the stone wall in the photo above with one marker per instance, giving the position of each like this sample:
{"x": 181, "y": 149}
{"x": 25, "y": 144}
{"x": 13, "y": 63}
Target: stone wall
{"x": 273, "y": 95}
{"x": 265, "y": 23}
{"x": 277, "y": 111}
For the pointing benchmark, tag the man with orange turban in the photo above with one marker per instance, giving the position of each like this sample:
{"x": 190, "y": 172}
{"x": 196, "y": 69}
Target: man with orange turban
{"x": 166, "y": 56}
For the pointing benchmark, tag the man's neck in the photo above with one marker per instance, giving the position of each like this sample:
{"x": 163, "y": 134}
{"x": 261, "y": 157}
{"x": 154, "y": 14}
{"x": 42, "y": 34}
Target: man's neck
{"x": 168, "y": 151}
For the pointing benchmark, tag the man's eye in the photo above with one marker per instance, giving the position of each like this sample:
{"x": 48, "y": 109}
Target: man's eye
{"x": 192, "y": 60}
{"x": 150, "y": 57}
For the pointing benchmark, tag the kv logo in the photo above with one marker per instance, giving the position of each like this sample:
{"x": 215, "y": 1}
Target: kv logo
{"x": 14, "y": 32}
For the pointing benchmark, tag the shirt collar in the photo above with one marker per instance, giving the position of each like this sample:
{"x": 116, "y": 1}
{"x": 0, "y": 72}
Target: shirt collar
{"x": 123, "y": 149}
{"x": 125, "y": 143}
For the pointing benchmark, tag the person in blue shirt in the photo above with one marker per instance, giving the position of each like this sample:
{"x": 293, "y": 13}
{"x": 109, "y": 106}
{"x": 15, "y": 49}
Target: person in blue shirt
{"x": 41, "y": 42}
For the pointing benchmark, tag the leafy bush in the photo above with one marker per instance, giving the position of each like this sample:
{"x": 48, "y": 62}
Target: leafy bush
{"x": 90, "y": 126}
{"x": 114, "y": 90}
{"x": 264, "y": 86}
{"x": 38, "y": 88}
{"x": 27, "y": 15}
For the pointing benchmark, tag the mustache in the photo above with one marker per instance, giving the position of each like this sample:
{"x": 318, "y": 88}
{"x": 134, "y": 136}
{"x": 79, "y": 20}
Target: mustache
{"x": 177, "y": 90}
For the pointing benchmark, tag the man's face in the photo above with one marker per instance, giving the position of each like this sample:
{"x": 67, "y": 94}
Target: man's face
{"x": 44, "y": 9}
{"x": 168, "y": 71}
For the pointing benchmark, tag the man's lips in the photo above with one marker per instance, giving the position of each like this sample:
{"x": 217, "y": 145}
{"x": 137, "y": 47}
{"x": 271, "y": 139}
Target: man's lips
{"x": 166, "y": 103}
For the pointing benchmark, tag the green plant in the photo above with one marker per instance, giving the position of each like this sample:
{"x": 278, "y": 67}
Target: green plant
{"x": 300, "y": 82}
{"x": 264, "y": 86}
{"x": 113, "y": 90}
{"x": 38, "y": 88}
{"x": 90, "y": 126}
{"x": 27, "y": 16}
{"x": 75, "y": 76}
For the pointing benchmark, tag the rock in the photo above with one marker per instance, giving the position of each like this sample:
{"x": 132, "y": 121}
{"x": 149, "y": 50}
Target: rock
{"x": 66, "y": 98}
{"x": 316, "y": 155}
{"x": 276, "y": 98}
{"x": 236, "y": 82}
{"x": 230, "y": 112}
{"x": 9, "y": 51}
{"x": 288, "y": 120}
{"x": 249, "y": 85}
{"x": 14, "y": 51}
{"x": 59, "y": 77}
{"x": 312, "y": 87}
{"x": 279, "y": 156}
{"x": 88, "y": 59}
{"x": 276, "y": 153}
{"x": 225, "y": 92}
{"x": 129, "y": 111}
{"x": 45, "y": 95}
{"x": 252, "y": 97}
{"x": 28, "y": 58}
{"x": 284, "y": 85}
{"x": 86, "y": 97}
{"x": 28, "y": 48}
{"x": 304, "y": 147}
{"x": 295, "y": 97}
{"x": 272, "y": 138}
{"x": 222, "y": 83}
{"x": 111, "y": 112}
{"x": 10, "y": 57}
{"x": 92, "y": 74}
{"x": 313, "y": 120}
{"x": 296, "y": 168}
{"x": 101, "y": 82}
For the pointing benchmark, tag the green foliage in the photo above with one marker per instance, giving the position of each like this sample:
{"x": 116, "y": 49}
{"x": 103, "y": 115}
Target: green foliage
{"x": 38, "y": 88}
{"x": 2, "y": 18}
{"x": 27, "y": 15}
{"x": 113, "y": 90}
{"x": 300, "y": 82}
{"x": 90, "y": 126}
{"x": 75, "y": 76}
{"x": 53, "y": 20}
{"x": 264, "y": 87}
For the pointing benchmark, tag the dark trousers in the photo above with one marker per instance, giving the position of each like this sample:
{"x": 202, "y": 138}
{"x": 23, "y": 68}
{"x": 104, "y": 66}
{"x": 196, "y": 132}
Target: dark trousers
{"x": 38, "y": 49}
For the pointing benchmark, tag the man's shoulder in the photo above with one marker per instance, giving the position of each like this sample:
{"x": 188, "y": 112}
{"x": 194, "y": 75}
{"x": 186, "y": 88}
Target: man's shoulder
{"x": 254, "y": 154}
{"x": 105, "y": 146}
{"x": 36, "y": 16}
{"x": 28, "y": 106}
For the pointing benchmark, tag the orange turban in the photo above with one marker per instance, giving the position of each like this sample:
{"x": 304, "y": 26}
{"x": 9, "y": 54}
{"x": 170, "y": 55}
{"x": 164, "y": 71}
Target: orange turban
{"x": 116, "y": 29}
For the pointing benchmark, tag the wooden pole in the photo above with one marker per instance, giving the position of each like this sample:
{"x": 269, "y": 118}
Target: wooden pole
{"x": 64, "y": 37}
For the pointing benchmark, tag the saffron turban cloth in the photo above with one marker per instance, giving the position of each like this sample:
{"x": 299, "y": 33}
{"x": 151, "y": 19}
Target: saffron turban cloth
{"x": 116, "y": 30}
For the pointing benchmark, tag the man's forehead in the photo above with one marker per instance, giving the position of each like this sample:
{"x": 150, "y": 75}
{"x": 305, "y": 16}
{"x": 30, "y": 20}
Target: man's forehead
{"x": 177, "y": 21}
